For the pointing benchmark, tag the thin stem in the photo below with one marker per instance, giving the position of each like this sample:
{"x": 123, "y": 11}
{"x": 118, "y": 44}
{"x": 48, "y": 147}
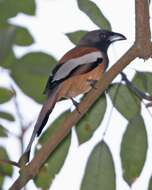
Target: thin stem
{"x": 147, "y": 108}
{"x": 9, "y": 132}
{"x": 111, "y": 111}
{"x": 20, "y": 137}
{"x": 141, "y": 95}
{"x": 19, "y": 114}
{"x": 9, "y": 162}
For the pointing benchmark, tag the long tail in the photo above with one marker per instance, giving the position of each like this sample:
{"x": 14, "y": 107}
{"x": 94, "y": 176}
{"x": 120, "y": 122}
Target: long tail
{"x": 41, "y": 121}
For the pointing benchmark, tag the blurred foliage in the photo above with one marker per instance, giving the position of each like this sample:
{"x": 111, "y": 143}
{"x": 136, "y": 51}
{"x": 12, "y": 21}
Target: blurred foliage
{"x": 7, "y": 116}
{"x": 2, "y": 132}
{"x": 91, "y": 120}
{"x": 9, "y": 8}
{"x": 94, "y": 13}
{"x": 5, "y": 169}
{"x": 23, "y": 37}
{"x": 75, "y": 37}
{"x": 5, "y": 95}
{"x": 7, "y": 38}
{"x": 57, "y": 158}
{"x": 30, "y": 72}
{"x": 99, "y": 172}
{"x": 12, "y": 35}
{"x": 32, "y": 68}
{"x": 150, "y": 184}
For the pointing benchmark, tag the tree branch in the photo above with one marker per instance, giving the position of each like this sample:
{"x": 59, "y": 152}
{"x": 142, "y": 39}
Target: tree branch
{"x": 143, "y": 33}
{"x": 142, "y": 48}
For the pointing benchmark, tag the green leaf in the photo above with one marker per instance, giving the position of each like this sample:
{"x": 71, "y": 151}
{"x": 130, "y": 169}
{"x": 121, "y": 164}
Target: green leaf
{"x": 1, "y": 181}
{"x": 140, "y": 81}
{"x": 91, "y": 121}
{"x": 5, "y": 169}
{"x": 57, "y": 158}
{"x": 2, "y": 131}
{"x": 9, "y": 60}
{"x": 94, "y": 13}
{"x": 31, "y": 73}
{"x": 99, "y": 173}
{"x": 9, "y": 8}
{"x": 150, "y": 184}
{"x": 149, "y": 82}
{"x": 124, "y": 100}
{"x": 143, "y": 81}
{"x": 5, "y": 95}
{"x": 26, "y": 6}
{"x": 75, "y": 37}
{"x": 133, "y": 149}
{"x": 23, "y": 37}
{"x": 7, "y": 116}
{"x": 7, "y": 36}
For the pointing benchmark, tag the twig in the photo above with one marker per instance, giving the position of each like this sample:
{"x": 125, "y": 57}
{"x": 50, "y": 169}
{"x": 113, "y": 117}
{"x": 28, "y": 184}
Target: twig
{"x": 149, "y": 105}
{"x": 9, "y": 162}
{"x": 19, "y": 114}
{"x": 23, "y": 128}
{"x": 141, "y": 95}
{"x": 111, "y": 111}
{"x": 17, "y": 108}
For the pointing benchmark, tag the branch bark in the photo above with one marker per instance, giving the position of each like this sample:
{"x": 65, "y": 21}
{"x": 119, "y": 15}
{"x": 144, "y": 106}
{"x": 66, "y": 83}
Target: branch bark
{"x": 142, "y": 48}
{"x": 143, "y": 34}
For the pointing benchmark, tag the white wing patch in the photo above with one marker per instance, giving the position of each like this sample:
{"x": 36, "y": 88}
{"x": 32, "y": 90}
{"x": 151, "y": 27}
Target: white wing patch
{"x": 71, "y": 64}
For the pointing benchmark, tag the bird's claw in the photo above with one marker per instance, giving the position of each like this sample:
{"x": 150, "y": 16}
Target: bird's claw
{"x": 76, "y": 104}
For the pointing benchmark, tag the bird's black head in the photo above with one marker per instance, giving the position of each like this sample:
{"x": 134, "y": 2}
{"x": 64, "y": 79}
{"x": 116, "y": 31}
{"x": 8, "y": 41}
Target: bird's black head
{"x": 100, "y": 39}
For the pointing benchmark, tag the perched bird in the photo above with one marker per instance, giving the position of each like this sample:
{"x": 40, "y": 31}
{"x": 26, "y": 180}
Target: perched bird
{"x": 75, "y": 74}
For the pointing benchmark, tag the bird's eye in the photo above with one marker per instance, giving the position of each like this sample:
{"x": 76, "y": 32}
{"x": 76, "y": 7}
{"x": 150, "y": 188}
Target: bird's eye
{"x": 103, "y": 36}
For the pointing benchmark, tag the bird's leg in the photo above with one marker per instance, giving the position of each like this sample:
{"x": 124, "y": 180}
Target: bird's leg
{"x": 76, "y": 104}
{"x": 92, "y": 83}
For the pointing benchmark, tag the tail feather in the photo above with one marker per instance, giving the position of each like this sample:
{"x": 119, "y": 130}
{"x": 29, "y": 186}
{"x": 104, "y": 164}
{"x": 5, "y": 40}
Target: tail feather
{"x": 41, "y": 121}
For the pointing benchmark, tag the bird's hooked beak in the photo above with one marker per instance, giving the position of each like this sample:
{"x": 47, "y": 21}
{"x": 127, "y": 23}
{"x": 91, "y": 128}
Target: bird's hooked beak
{"x": 116, "y": 37}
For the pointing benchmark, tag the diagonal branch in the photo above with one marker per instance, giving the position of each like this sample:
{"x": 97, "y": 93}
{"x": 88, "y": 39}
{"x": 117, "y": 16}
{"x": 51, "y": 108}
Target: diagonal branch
{"x": 31, "y": 170}
{"x": 142, "y": 48}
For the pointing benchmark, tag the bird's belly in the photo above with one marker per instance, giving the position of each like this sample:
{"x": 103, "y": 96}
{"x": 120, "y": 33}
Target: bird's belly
{"x": 80, "y": 84}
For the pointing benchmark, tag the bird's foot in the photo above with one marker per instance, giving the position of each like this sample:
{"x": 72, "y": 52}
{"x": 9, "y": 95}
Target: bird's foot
{"x": 76, "y": 104}
{"x": 92, "y": 83}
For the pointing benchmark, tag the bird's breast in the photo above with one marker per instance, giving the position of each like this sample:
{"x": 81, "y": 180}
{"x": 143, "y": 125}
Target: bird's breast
{"x": 80, "y": 84}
